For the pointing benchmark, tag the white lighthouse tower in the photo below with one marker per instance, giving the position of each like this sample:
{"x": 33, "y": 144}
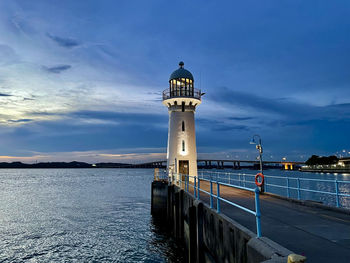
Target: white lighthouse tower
{"x": 182, "y": 98}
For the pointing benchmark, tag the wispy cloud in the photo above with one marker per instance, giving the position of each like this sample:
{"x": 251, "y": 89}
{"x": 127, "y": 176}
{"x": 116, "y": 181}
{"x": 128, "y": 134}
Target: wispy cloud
{"x": 57, "y": 69}
{"x": 5, "y": 95}
{"x": 288, "y": 110}
{"x": 64, "y": 42}
{"x": 240, "y": 118}
{"x": 20, "y": 120}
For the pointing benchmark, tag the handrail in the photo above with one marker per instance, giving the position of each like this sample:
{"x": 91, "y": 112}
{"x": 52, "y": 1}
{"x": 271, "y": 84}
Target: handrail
{"x": 177, "y": 179}
{"x": 182, "y": 92}
{"x": 236, "y": 178}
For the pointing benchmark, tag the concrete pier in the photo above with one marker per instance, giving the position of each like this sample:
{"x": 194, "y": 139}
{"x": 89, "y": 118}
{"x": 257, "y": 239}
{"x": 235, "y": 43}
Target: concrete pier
{"x": 207, "y": 235}
{"x": 319, "y": 232}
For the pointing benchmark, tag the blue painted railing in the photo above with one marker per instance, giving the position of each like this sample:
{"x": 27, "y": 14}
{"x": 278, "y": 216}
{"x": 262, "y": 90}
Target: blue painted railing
{"x": 186, "y": 181}
{"x": 299, "y": 186}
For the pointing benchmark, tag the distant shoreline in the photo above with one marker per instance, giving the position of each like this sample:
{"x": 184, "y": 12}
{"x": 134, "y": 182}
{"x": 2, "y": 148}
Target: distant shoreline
{"x": 321, "y": 170}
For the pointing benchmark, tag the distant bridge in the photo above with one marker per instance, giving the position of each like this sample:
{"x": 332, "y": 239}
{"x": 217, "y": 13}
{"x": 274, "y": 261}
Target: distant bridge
{"x": 221, "y": 164}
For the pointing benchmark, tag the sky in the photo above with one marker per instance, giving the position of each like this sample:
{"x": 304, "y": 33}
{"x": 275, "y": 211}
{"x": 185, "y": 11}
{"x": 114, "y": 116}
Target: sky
{"x": 82, "y": 80}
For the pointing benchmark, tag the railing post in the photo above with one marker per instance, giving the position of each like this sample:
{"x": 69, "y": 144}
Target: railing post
{"x": 195, "y": 187}
{"x": 217, "y": 197}
{"x": 198, "y": 189}
{"x": 180, "y": 180}
{"x": 288, "y": 194}
{"x": 337, "y": 192}
{"x": 257, "y": 212}
{"x": 211, "y": 193}
{"x": 188, "y": 183}
{"x": 229, "y": 178}
{"x": 298, "y": 186}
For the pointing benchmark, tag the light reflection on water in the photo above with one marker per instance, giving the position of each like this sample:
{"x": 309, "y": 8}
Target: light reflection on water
{"x": 315, "y": 185}
{"x": 80, "y": 215}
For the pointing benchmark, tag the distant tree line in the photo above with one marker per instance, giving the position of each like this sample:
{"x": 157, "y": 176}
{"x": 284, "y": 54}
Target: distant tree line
{"x": 63, "y": 165}
{"x": 322, "y": 160}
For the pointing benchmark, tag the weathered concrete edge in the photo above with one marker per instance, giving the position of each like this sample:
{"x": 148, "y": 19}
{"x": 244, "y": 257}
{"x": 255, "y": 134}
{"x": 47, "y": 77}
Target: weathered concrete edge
{"x": 263, "y": 246}
{"x": 310, "y": 203}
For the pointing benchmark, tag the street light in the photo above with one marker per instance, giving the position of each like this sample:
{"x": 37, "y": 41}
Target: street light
{"x": 257, "y": 141}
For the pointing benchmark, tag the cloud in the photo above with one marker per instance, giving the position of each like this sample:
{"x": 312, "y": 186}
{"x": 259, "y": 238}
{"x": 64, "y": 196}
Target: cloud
{"x": 240, "y": 118}
{"x": 123, "y": 117}
{"x": 287, "y": 110}
{"x": 7, "y": 55}
{"x": 64, "y": 42}
{"x": 5, "y": 95}
{"x": 218, "y": 125}
{"x": 20, "y": 120}
{"x": 57, "y": 69}
{"x": 230, "y": 127}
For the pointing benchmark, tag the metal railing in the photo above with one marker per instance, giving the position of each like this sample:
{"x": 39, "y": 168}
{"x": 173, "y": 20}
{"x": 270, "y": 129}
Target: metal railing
{"x": 182, "y": 92}
{"x": 183, "y": 181}
{"x": 297, "y": 186}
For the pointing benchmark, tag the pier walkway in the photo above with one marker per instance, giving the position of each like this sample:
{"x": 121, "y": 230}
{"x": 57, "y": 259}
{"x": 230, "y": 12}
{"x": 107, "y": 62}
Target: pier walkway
{"x": 321, "y": 235}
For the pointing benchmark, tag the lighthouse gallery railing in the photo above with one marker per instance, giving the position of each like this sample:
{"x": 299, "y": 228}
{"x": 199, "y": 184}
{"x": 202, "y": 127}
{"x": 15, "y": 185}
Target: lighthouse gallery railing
{"x": 182, "y": 92}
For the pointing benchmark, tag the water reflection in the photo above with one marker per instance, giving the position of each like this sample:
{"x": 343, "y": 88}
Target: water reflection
{"x": 80, "y": 215}
{"x": 173, "y": 251}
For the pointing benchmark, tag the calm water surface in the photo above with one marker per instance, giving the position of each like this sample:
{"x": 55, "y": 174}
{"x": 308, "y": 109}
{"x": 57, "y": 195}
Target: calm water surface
{"x": 80, "y": 215}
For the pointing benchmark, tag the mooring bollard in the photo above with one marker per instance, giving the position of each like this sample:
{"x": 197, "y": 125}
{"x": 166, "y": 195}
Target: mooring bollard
{"x": 156, "y": 174}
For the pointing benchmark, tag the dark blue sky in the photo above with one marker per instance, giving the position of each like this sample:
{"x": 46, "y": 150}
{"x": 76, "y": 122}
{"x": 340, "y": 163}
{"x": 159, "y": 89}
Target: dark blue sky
{"x": 83, "y": 79}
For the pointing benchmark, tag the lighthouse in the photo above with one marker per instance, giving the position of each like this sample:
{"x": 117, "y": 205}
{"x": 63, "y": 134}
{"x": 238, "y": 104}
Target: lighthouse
{"x": 181, "y": 99}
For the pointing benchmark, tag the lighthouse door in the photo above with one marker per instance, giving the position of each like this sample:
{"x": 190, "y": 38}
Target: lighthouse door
{"x": 183, "y": 169}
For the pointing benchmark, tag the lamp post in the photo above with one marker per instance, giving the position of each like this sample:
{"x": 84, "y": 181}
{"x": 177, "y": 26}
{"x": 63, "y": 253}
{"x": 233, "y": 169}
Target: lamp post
{"x": 257, "y": 141}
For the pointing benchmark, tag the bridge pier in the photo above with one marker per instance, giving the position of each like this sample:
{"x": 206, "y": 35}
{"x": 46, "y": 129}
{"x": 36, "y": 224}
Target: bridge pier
{"x": 288, "y": 166}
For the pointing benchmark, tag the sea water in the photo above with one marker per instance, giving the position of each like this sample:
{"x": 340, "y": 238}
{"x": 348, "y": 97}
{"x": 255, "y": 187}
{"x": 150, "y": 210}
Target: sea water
{"x": 80, "y": 215}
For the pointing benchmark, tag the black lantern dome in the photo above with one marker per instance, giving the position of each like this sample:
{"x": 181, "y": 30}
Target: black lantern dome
{"x": 181, "y": 84}
{"x": 181, "y": 73}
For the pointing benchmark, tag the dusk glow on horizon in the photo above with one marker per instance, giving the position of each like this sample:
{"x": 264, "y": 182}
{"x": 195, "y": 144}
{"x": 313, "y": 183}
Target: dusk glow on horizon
{"x": 83, "y": 80}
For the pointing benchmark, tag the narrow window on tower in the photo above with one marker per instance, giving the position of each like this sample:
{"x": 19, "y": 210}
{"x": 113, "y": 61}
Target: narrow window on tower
{"x": 183, "y": 126}
{"x": 183, "y": 106}
{"x": 183, "y": 146}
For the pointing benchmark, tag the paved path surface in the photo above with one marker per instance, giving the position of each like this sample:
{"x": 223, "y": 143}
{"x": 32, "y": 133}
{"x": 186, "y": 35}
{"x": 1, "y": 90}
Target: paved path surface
{"x": 321, "y": 235}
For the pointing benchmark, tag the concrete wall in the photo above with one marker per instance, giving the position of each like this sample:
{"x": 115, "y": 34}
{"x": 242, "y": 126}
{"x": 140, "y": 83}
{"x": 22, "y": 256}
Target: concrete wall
{"x": 209, "y": 236}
